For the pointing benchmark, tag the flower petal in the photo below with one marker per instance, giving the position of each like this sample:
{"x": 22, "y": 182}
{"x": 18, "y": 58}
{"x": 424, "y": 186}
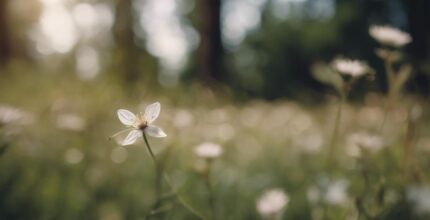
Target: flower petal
{"x": 131, "y": 137}
{"x": 152, "y": 112}
{"x": 155, "y": 131}
{"x": 120, "y": 132}
{"x": 126, "y": 117}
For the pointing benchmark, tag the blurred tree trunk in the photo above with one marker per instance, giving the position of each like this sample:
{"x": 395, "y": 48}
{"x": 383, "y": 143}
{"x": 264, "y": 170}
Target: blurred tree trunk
{"x": 5, "y": 43}
{"x": 419, "y": 24}
{"x": 210, "y": 51}
{"x": 419, "y": 27}
{"x": 126, "y": 56}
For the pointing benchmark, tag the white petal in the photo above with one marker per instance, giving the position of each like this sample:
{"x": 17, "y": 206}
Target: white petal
{"x": 155, "y": 131}
{"x": 152, "y": 112}
{"x": 119, "y": 137}
{"x": 126, "y": 117}
{"x": 120, "y": 132}
{"x": 131, "y": 137}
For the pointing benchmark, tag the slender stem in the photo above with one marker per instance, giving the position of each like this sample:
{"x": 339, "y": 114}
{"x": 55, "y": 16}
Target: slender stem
{"x": 149, "y": 149}
{"x": 390, "y": 79}
{"x": 211, "y": 198}
{"x": 408, "y": 146}
{"x": 184, "y": 203}
{"x": 384, "y": 119}
{"x": 332, "y": 146}
{"x": 158, "y": 175}
{"x": 389, "y": 73}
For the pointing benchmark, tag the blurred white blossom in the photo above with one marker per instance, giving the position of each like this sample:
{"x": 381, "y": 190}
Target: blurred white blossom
{"x": 272, "y": 202}
{"x": 71, "y": 122}
{"x": 208, "y": 150}
{"x": 363, "y": 140}
{"x": 336, "y": 193}
{"x": 13, "y": 116}
{"x": 310, "y": 141}
{"x": 182, "y": 118}
{"x": 354, "y": 68}
{"x": 73, "y": 156}
{"x": 140, "y": 123}
{"x": 389, "y": 35}
{"x": 313, "y": 194}
{"x": 419, "y": 196}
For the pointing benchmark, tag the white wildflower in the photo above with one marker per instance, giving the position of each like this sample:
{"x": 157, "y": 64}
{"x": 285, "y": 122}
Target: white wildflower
{"x": 313, "y": 194}
{"x": 73, "y": 156}
{"x": 336, "y": 193}
{"x": 71, "y": 122}
{"x": 208, "y": 150}
{"x": 419, "y": 196}
{"x": 272, "y": 202}
{"x": 389, "y": 35}
{"x": 309, "y": 141}
{"x": 183, "y": 118}
{"x": 140, "y": 123}
{"x": 354, "y": 68}
{"x": 13, "y": 116}
{"x": 364, "y": 141}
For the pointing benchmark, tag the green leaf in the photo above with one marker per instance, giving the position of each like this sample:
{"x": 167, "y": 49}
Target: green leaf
{"x": 324, "y": 74}
{"x": 401, "y": 78}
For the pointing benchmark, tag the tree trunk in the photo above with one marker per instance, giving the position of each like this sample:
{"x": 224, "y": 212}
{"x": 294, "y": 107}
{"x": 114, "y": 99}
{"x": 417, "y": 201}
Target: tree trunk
{"x": 419, "y": 23}
{"x": 210, "y": 51}
{"x": 126, "y": 51}
{"x": 5, "y": 44}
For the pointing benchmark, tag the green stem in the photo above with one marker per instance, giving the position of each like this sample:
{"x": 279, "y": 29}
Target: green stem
{"x": 332, "y": 146}
{"x": 386, "y": 112}
{"x": 157, "y": 184}
{"x": 389, "y": 73}
{"x": 390, "y": 79}
{"x": 408, "y": 147}
{"x": 184, "y": 203}
{"x": 211, "y": 198}
{"x": 149, "y": 149}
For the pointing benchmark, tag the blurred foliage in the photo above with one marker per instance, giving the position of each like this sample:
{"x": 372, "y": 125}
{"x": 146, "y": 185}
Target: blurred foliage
{"x": 272, "y": 112}
{"x": 57, "y": 170}
{"x": 274, "y": 60}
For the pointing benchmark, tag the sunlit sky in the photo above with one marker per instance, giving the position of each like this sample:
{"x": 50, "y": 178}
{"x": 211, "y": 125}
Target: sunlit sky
{"x": 168, "y": 35}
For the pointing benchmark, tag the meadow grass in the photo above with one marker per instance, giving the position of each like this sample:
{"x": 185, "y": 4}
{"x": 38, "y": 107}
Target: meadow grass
{"x": 53, "y": 169}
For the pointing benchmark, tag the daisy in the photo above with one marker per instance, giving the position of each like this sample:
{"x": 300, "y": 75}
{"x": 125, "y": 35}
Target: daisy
{"x": 208, "y": 150}
{"x": 140, "y": 123}
{"x": 389, "y": 35}
{"x": 354, "y": 68}
{"x": 272, "y": 202}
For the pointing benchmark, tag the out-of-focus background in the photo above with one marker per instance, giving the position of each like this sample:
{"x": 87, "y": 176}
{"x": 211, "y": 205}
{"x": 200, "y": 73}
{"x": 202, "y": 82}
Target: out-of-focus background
{"x": 259, "y": 48}
{"x": 239, "y": 73}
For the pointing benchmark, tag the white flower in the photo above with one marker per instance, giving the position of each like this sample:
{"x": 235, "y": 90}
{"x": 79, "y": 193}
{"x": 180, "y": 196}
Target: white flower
{"x": 313, "y": 194}
{"x": 74, "y": 156}
{"x": 140, "y": 123}
{"x": 354, "y": 68}
{"x": 208, "y": 150}
{"x": 419, "y": 196}
{"x": 71, "y": 122}
{"x": 336, "y": 193}
{"x": 13, "y": 116}
{"x": 364, "y": 140}
{"x": 272, "y": 202}
{"x": 389, "y": 35}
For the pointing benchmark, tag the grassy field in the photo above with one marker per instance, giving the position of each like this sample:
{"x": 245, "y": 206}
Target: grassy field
{"x": 57, "y": 161}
